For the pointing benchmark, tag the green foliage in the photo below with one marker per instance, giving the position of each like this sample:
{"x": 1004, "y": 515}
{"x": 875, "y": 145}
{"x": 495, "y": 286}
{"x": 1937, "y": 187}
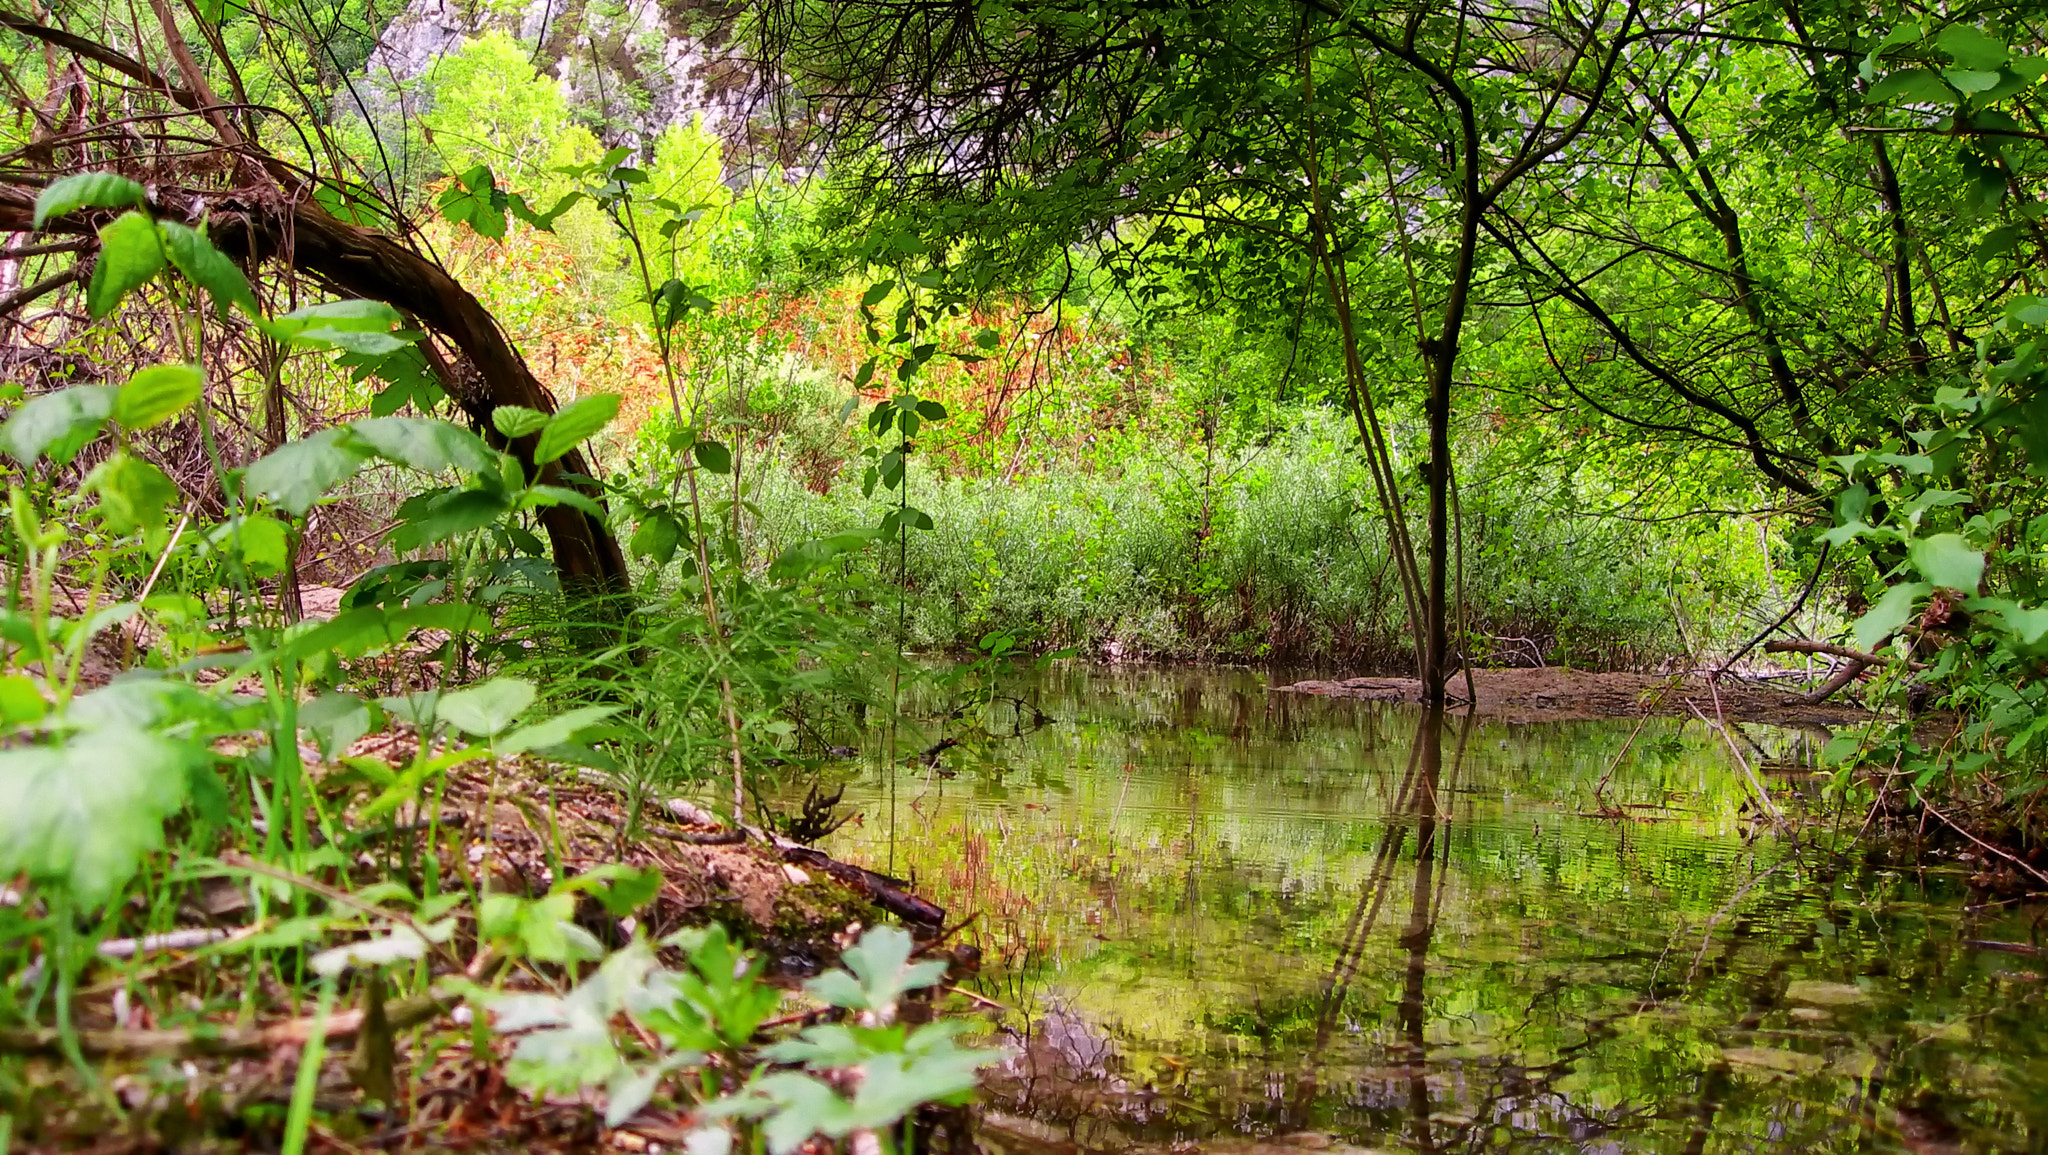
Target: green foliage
{"x": 713, "y": 1010}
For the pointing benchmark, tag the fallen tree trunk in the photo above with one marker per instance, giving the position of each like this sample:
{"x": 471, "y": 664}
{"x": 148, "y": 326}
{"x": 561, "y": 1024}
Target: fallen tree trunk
{"x": 1803, "y": 646}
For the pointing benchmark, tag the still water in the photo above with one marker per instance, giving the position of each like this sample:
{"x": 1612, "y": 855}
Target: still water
{"x": 1250, "y": 921}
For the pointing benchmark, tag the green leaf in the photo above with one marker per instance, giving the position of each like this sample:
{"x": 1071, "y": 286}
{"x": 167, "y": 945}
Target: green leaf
{"x": 556, "y": 731}
{"x": 476, "y": 201}
{"x": 86, "y": 190}
{"x": 21, "y": 700}
{"x": 1892, "y": 611}
{"x": 545, "y": 222}
{"x": 881, "y": 972}
{"x": 713, "y": 456}
{"x": 58, "y": 424}
{"x": 623, "y": 889}
{"x": 133, "y": 493}
{"x": 487, "y": 709}
{"x": 574, "y": 424}
{"x": 209, "y": 268}
{"x": 299, "y": 473}
{"x": 363, "y": 343}
{"x": 131, "y": 252}
{"x": 877, "y": 293}
{"x": 266, "y": 544}
{"x": 1970, "y": 48}
{"x": 1912, "y": 86}
{"x": 356, "y": 314}
{"x": 657, "y": 537}
{"x": 425, "y": 444}
{"x": 1970, "y": 81}
{"x": 1947, "y": 560}
{"x": 157, "y": 394}
{"x": 445, "y": 515}
{"x": 543, "y": 495}
{"x": 80, "y": 816}
{"x": 514, "y": 421}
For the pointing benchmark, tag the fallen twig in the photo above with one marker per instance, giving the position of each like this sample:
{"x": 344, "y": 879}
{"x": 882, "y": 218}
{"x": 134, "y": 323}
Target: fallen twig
{"x": 400, "y": 1014}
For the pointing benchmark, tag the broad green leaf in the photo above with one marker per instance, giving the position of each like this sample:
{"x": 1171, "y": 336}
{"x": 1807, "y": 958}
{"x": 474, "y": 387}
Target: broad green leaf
{"x": 361, "y": 342}
{"x": 1945, "y": 559}
{"x": 353, "y": 313}
{"x": 58, "y": 424}
{"x": 555, "y": 731}
{"x": 425, "y": 444}
{"x": 475, "y": 200}
{"x": 86, "y": 190}
{"x": 515, "y": 421}
{"x": 544, "y": 495}
{"x": 299, "y": 473}
{"x": 1969, "y": 47}
{"x": 1912, "y": 86}
{"x": 877, "y": 293}
{"x": 21, "y": 700}
{"x": 157, "y": 394}
{"x": 657, "y": 537}
{"x": 80, "y": 816}
{"x": 881, "y": 972}
{"x": 209, "y": 268}
{"x": 131, "y": 252}
{"x": 713, "y": 456}
{"x": 488, "y": 709}
{"x": 574, "y": 424}
{"x": 133, "y": 493}
{"x": 1970, "y": 80}
{"x": 446, "y": 515}
{"x": 266, "y": 544}
{"x": 1892, "y": 611}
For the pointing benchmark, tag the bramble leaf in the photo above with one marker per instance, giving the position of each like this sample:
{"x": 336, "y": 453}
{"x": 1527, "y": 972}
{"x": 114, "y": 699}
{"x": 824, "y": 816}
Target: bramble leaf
{"x": 157, "y": 394}
{"x": 58, "y": 424}
{"x": 86, "y": 190}
{"x": 298, "y": 473}
{"x": 80, "y": 816}
{"x": 131, "y": 252}
{"x": 574, "y": 424}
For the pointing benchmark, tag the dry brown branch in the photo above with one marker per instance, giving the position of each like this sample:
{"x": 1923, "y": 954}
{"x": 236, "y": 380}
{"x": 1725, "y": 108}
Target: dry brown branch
{"x": 1802, "y": 646}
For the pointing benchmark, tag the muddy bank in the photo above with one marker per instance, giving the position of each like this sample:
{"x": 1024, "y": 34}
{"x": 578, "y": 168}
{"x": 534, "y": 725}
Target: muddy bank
{"x": 1564, "y": 695}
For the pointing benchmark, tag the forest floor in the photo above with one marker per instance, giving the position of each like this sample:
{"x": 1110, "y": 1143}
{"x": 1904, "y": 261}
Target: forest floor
{"x": 1555, "y": 694}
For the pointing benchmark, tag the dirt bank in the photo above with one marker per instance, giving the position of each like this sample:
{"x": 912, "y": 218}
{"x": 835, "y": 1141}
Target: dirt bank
{"x": 1562, "y": 695}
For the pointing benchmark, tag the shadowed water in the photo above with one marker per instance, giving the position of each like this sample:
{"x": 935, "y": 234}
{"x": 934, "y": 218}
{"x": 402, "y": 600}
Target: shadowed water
{"x": 1253, "y": 921}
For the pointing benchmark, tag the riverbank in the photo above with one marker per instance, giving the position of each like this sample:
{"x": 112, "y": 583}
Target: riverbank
{"x": 1554, "y": 694}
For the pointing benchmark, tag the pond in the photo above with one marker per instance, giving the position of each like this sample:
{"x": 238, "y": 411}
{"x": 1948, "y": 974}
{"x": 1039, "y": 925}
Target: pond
{"x": 1220, "y": 916}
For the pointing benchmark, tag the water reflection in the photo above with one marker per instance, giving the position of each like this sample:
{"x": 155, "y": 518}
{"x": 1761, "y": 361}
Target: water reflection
{"x": 1251, "y": 922}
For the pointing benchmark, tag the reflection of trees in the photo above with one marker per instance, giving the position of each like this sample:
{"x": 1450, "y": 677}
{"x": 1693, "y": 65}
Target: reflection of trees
{"x": 1522, "y": 996}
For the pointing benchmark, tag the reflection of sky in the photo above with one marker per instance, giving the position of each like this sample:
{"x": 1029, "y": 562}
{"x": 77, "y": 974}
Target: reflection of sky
{"x": 1168, "y": 875}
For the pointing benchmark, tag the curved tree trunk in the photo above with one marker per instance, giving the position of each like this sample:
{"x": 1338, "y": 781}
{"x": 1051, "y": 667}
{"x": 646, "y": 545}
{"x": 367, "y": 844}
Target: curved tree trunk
{"x": 257, "y": 223}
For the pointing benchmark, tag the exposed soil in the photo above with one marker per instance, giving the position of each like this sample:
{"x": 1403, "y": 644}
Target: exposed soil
{"x": 1563, "y": 695}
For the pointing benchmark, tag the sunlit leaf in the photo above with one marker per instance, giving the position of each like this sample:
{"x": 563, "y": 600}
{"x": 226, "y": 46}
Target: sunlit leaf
{"x": 487, "y": 709}
{"x": 130, "y": 254}
{"x": 575, "y": 423}
{"x": 1945, "y": 559}
{"x": 58, "y": 424}
{"x": 299, "y": 473}
{"x": 80, "y": 816}
{"x": 156, "y": 394}
{"x": 86, "y": 190}
{"x": 209, "y": 268}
